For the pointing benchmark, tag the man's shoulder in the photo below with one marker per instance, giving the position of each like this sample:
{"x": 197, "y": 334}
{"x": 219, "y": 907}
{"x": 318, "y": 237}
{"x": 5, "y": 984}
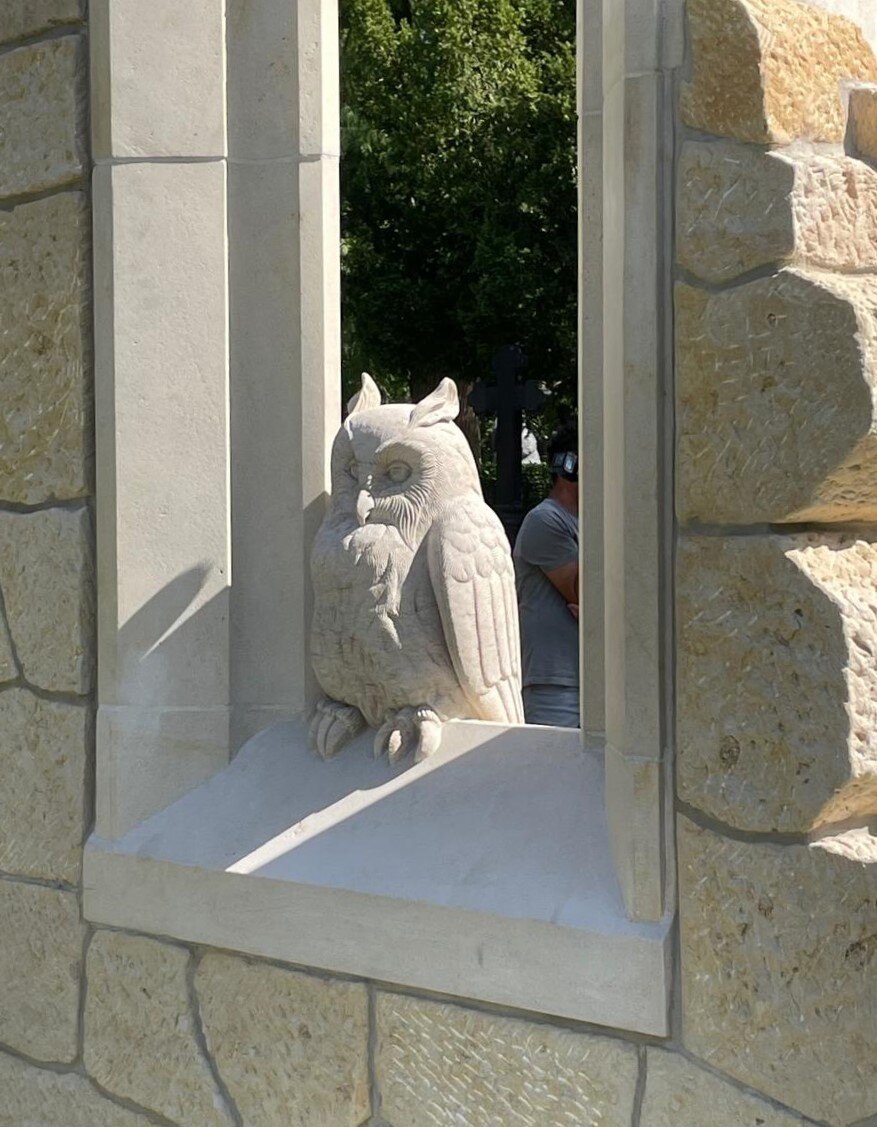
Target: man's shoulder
{"x": 548, "y": 514}
{"x": 535, "y": 520}
{"x": 545, "y": 531}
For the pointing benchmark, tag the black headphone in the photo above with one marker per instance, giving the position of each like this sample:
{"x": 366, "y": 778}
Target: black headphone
{"x": 566, "y": 466}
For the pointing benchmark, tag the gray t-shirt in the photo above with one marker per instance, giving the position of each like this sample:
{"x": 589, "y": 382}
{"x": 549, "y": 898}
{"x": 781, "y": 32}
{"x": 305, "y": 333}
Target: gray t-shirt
{"x": 549, "y": 538}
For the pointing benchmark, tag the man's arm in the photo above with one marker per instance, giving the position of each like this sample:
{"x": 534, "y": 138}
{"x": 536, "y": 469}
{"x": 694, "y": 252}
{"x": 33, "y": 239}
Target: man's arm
{"x": 566, "y": 579}
{"x": 544, "y": 542}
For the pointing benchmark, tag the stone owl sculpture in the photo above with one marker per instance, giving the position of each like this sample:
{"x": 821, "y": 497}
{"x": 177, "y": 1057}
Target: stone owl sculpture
{"x": 416, "y": 617}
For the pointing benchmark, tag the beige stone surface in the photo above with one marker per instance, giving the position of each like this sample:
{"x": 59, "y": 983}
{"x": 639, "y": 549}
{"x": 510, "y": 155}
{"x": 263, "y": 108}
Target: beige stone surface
{"x": 862, "y": 133}
{"x": 8, "y": 672}
{"x": 770, "y": 71}
{"x": 161, "y": 230}
{"x": 858, "y": 844}
{"x": 741, "y": 208}
{"x": 441, "y": 1065}
{"x": 40, "y": 964}
{"x": 44, "y": 748}
{"x": 42, "y": 116}
{"x": 834, "y": 204}
{"x": 778, "y": 982}
{"x": 45, "y": 428}
{"x": 46, "y": 575}
{"x": 775, "y": 400}
{"x": 140, "y": 1039}
{"x": 680, "y": 1094}
{"x": 21, "y": 18}
{"x": 290, "y": 1048}
{"x": 34, "y": 1097}
{"x": 159, "y": 78}
{"x": 733, "y": 209}
{"x": 861, "y": 12}
{"x": 776, "y": 680}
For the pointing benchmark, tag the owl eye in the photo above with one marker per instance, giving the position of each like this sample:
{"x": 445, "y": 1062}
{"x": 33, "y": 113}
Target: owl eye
{"x": 398, "y": 472}
{"x": 350, "y": 469}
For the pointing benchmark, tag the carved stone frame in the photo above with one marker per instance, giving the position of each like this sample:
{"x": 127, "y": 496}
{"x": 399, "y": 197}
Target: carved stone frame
{"x": 216, "y": 244}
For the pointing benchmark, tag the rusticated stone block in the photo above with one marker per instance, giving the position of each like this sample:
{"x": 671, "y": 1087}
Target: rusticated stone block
{"x": 45, "y": 426}
{"x": 43, "y": 755}
{"x": 741, "y": 208}
{"x": 776, "y": 679}
{"x": 775, "y": 400}
{"x": 439, "y": 1065}
{"x": 770, "y": 71}
{"x": 292, "y": 1049}
{"x": 778, "y": 969}
{"x": 46, "y": 575}
{"x": 679, "y": 1094}
{"x": 21, "y": 18}
{"x": 42, "y": 116}
{"x": 862, "y": 131}
{"x": 733, "y": 209}
{"x": 33, "y": 1097}
{"x": 140, "y": 1030}
{"x": 40, "y": 965}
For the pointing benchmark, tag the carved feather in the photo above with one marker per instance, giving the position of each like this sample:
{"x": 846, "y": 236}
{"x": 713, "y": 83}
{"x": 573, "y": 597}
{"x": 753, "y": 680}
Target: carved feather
{"x": 473, "y": 579}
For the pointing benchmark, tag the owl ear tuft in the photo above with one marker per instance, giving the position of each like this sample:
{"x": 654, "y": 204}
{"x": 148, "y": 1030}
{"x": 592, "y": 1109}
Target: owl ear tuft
{"x": 367, "y": 398}
{"x": 442, "y": 406}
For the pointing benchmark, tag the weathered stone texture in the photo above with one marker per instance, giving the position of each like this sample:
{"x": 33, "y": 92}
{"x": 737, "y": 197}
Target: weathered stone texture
{"x": 45, "y": 438}
{"x": 741, "y": 208}
{"x": 33, "y": 1097}
{"x": 40, "y": 963}
{"x": 775, "y": 400}
{"x": 776, "y": 683}
{"x": 22, "y": 18}
{"x": 679, "y": 1094}
{"x": 863, "y": 121}
{"x": 290, "y": 1048}
{"x": 835, "y": 208}
{"x": 440, "y": 1065}
{"x": 733, "y": 209}
{"x": 46, "y": 575}
{"x": 43, "y": 756}
{"x": 854, "y": 845}
{"x": 140, "y": 1038}
{"x": 770, "y": 71}
{"x": 8, "y": 672}
{"x": 778, "y": 961}
{"x": 42, "y": 116}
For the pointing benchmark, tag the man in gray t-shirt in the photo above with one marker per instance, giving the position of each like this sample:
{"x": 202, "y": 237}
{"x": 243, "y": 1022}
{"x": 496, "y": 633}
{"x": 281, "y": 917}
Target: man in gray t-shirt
{"x": 546, "y": 558}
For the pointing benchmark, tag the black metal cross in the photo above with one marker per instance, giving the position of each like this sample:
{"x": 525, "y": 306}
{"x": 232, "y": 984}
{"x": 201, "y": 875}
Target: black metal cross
{"x": 508, "y": 399}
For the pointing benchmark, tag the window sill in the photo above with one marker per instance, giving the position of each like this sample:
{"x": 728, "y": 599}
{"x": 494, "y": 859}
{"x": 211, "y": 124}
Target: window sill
{"x": 484, "y": 873}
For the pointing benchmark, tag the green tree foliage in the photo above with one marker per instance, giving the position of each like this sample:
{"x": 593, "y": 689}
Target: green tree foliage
{"x": 458, "y": 189}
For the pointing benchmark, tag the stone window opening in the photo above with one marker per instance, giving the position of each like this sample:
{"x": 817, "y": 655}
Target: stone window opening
{"x": 217, "y": 359}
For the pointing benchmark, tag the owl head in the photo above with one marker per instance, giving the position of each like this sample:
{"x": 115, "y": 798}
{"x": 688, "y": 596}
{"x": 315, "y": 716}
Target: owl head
{"x": 399, "y": 464}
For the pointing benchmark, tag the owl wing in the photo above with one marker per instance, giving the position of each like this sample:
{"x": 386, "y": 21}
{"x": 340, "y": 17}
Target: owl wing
{"x": 473, "y": 578}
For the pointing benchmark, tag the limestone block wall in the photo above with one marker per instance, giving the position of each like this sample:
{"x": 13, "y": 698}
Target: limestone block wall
{"x": 776, "y": 372}
{"x": 776, "y": 1019}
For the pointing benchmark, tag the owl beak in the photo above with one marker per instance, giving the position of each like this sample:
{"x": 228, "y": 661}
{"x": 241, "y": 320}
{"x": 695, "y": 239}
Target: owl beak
{"x": 364, "y": 505}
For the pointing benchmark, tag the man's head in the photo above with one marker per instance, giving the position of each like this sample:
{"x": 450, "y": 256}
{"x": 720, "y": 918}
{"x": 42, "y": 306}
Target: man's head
{"x": 563, "y": 455}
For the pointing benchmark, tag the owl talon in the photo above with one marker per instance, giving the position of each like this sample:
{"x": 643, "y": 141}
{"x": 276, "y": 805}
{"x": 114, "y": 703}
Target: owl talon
{"x": 333, "y": 725}
{"x": 314, "y": 728}
{"x": 429, "y": 728}
{"x": 397, "y": 746}
{"x": 410, "y": 730}
{"x": 392, "y": 738}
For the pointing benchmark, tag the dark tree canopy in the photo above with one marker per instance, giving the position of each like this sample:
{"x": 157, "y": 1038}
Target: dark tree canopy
{"x": 458, "y": 189}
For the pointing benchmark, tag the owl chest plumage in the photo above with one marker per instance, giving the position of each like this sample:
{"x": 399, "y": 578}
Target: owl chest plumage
{"x": 378, "y": 641}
